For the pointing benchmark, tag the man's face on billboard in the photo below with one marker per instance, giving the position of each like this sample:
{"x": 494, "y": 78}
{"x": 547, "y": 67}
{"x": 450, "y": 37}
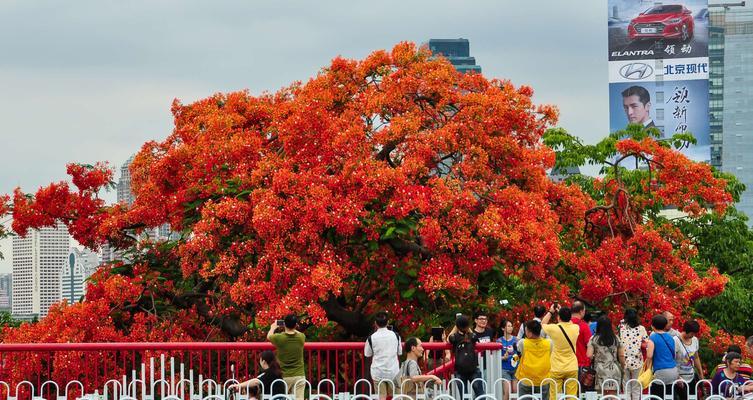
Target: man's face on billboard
{"x": 636, "y": 112}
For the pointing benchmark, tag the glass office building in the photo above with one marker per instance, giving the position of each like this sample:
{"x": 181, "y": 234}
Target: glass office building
{"x": 731, "y": 97}
{"x": 457, "y": 51}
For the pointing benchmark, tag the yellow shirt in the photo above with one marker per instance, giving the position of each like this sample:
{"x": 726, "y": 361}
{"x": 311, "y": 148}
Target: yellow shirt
{"x": 535, "y": 360}
{"x": 563, "y": 356}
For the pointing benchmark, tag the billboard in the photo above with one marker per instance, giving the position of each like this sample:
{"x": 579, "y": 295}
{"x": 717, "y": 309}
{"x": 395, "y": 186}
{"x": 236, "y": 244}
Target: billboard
{"x": 640, "y": 30}
{"x": 659, "y": 68}
{"x": 670, "y": 106}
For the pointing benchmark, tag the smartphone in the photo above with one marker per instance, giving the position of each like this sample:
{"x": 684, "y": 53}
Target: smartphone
{"x": 556, "y": 305}
{"x": 436, "y": 333}
{"x": 281, "y": 323}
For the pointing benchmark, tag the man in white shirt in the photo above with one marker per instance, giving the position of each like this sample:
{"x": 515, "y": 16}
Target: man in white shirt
{"x": 538, "y": 312}
{"x": 384, "y": 348}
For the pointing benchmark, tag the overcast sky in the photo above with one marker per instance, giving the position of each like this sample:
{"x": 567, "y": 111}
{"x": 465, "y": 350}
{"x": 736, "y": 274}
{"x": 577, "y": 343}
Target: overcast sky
{"x": 90, "y": 81}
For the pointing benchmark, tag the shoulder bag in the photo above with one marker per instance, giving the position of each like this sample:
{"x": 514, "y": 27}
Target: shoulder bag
{"x": 586, "y": 375}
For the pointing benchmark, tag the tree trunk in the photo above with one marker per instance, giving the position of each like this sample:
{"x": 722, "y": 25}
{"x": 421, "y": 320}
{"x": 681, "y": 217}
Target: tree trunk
{"x": 354, "y": 322}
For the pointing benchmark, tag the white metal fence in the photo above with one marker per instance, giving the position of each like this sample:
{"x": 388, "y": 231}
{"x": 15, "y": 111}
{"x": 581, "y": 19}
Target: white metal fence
{"x": 173, "y": 381}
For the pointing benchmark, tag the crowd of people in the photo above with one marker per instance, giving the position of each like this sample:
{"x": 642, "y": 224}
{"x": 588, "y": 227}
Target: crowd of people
{"x": 560, "y": 350}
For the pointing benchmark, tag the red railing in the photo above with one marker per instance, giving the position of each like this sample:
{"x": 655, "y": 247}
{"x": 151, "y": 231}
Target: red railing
{"x": 93, "y": 364}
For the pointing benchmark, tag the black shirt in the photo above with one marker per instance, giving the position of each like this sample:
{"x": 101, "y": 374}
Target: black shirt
{"x": 268, "y": 379}
{"x": 484, "y": 337}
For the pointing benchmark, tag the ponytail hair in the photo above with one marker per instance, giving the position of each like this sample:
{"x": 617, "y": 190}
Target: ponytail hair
{"x": 274, "y": 366}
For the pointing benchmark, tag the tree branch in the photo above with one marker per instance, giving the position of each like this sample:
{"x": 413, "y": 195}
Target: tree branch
{"x": 403, "y": 247}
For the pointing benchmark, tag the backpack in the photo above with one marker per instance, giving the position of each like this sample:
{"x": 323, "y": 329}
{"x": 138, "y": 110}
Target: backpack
{"x": 466, "y": 361}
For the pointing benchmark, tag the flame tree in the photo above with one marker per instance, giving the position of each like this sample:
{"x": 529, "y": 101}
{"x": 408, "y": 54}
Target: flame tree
{"x": 392, "y": 182}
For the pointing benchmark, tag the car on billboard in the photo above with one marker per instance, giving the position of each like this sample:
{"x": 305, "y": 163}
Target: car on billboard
{"x": 703, "y": 14}
{"x": 667, "y": 21}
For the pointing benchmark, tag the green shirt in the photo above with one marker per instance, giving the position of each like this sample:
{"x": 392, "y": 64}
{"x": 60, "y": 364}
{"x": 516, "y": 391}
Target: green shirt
{"x": 290, "y": 352}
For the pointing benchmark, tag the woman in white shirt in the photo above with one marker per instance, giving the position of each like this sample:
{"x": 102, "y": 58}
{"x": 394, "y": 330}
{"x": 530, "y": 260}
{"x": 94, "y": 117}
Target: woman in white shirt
{"x": 632, "y": 337}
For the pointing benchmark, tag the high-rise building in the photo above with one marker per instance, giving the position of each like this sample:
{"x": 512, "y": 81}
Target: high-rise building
{"x": 457, "y": 51}
{"x": 106, "y": 254}
{"x": 731, "y": 97}
{"x": 561, "y": 174}
{"x": 79, "y": 266}
{"x": 125, "y": 195}
{"x": 6, "y": 292}
{"x": 37, "y": 261}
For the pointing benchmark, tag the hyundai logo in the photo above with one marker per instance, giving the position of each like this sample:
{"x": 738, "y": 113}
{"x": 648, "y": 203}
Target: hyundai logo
{"x": 636, "y": 71}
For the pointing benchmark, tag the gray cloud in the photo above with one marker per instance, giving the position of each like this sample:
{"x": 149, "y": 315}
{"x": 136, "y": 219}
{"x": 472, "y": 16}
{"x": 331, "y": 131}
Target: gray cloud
{"x": 90, "y": 80}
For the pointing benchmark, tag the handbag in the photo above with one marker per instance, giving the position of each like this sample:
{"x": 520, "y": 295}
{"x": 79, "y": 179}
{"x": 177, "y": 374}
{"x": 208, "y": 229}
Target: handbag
{"x": 587, "y": 377}
{"x": 646, "y": 377}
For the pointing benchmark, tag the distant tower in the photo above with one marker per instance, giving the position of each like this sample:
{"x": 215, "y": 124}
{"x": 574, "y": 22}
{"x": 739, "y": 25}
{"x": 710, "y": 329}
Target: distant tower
{"x": 730, "y": 94}
{"x": 6, "y": 292}
{"x": 79, "y": 266}
{"x": 125, "y": 195}
{"x": 457, "y": 51}
{"x": 37, "y": 261}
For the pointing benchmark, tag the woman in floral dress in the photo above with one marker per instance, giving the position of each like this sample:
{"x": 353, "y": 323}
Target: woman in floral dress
{"x": 608, "y": 357}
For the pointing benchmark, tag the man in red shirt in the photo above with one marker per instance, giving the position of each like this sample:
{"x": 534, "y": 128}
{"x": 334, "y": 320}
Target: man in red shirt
{"x": 581, "y": 345}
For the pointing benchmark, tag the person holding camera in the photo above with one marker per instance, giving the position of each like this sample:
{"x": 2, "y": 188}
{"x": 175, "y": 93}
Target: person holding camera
{"x": 384, "y": 347}
{"x": 538, "y": 313}
{"x": 564, "y": 335}
{"x": 466, "y": 360}
{"x": 289, "y": 345}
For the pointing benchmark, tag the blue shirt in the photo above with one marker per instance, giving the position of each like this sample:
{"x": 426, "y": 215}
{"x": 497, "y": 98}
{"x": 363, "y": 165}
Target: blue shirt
{"x": 664, "y": 350}
{"x": 510, "y": 346}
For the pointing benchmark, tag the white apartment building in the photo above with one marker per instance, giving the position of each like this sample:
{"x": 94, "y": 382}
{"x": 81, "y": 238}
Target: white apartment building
{"x": 37, "y": 261}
